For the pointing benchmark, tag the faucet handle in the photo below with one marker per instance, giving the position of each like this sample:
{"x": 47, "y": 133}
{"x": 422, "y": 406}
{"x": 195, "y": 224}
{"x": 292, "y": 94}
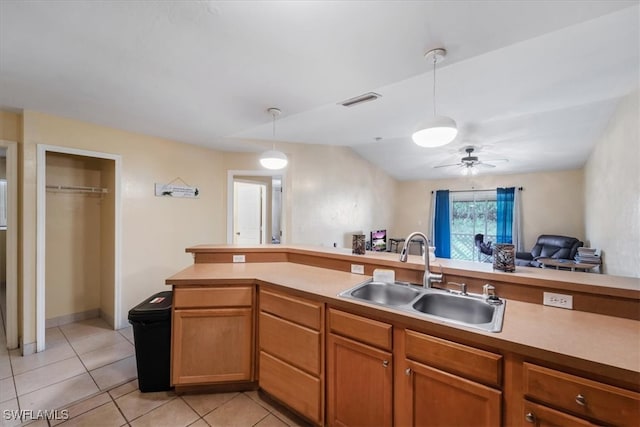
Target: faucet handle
{"x": 488, "y": 291}
{"x": 463, "y": 287}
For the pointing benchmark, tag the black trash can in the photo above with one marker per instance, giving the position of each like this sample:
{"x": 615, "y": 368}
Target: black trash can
{"x": 151, "y": 321}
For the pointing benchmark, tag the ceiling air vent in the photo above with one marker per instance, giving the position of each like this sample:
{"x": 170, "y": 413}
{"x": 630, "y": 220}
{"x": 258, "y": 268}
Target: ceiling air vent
{"x": 365, "y": 97}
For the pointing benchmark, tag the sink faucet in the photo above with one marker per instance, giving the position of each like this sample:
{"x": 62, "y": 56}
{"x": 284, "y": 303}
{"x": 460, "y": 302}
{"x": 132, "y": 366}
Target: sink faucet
{"x": 429, "y": 277}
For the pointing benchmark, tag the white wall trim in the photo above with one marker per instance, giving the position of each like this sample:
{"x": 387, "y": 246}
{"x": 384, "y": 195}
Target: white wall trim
{"x": 230, "y": 176}
{"x": 40, "y": 233}
{"x": 11, "y": 322}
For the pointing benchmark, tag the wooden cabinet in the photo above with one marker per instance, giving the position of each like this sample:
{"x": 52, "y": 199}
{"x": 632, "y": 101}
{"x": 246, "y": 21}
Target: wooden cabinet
{"x": 212, "y": 335}
{"x": 291, "y": 357}
{"x": 440, "y": 383}
{"x": 557, "y": 398}
{"x": 359, "y": 371}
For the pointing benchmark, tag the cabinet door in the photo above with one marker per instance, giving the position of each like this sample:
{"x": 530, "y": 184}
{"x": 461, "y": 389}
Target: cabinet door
{"x": 212, "y": 346}
{"x": 437, "y": 398}
{"x": 541, "y": 416}
{"x": 359, "y": 381}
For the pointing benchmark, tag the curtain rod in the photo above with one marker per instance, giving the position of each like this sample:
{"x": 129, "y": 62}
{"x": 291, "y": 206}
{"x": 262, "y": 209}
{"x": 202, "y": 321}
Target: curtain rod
{"x": 467, "y": 191}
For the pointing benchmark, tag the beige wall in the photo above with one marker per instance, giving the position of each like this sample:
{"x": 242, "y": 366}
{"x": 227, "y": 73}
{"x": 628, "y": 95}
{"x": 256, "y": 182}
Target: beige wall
{"x": 155, "y": 230}
{"x": 612, "y": 192}
{"x": 552, "y": 202}
{"x": 10, "y": 126}
{"x": 330, "y": 192}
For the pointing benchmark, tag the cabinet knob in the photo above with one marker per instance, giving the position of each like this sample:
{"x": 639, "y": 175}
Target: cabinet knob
{"x": 580, "y": 400}
{"x": 407, "y": 372}
{"x": 530, "y": 417}
{"x": 385, "y": 363}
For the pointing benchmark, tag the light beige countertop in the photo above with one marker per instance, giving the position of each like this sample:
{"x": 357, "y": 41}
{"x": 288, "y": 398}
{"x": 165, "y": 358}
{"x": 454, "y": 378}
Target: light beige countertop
{"x": 532, "y": 329}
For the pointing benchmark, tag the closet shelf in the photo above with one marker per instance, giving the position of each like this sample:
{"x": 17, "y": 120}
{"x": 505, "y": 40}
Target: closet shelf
{"x": 77, "y": 189}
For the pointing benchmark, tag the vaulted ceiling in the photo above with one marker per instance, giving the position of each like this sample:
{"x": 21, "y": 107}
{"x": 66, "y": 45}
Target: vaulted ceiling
{"x": 533, "y": 82}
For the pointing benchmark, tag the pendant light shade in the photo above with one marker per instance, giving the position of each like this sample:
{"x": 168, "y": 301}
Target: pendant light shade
{"x": 437, "y": 130}
{"x": 274, "y": 159}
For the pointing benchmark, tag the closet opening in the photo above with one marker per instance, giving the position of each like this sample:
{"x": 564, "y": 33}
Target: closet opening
{"x": 77, "y": 239}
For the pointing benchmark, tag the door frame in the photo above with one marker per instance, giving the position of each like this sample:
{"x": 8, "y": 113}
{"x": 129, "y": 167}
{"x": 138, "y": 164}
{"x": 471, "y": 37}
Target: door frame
{"x": 11, "y": 322}
{"x": 42, "y": 150}
{"x": 231, "y": 174}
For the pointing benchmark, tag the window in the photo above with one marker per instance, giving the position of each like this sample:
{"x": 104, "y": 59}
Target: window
{"x": 3, "y": 204}
{"x": 472, "y": 212}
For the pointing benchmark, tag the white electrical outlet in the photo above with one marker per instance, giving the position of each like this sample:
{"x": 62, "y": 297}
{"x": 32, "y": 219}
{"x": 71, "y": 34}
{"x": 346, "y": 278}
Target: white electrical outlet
{"x": 357, "y": 268}
{"x": 238, "y": 258}
{"x": 558, "y": 300}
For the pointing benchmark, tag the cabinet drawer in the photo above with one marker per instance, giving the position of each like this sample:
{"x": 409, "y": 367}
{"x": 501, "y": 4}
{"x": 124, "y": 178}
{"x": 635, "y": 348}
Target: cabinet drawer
{"x": 298, "y": 310}
{"x": 360, "y": 328}
{"x": 473, "y": 363}
{"x": 290, "y": 342}
{"x": 206, "y": 297}
{"x": 581, "y": 396}
{"x": 298, "y": 389}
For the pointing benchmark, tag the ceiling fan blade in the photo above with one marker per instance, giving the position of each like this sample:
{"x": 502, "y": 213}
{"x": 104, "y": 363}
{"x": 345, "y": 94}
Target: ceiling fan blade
{"x": 447, "y": 166}
{"x": 485, "y": 165}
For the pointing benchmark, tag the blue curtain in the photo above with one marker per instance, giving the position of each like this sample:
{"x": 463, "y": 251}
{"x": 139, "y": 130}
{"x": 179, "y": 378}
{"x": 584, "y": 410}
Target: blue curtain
{"x": 504, "y": 208}
{"x": 442, "y": 225}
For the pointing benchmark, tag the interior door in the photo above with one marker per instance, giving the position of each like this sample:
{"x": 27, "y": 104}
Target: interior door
{"x": 249, "y": 213}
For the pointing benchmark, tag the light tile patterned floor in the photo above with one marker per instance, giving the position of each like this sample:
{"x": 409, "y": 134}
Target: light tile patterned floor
{"x": 89, "y": 371}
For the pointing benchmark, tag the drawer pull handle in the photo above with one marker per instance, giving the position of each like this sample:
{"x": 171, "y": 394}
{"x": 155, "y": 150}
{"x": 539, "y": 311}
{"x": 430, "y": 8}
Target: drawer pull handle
{"x": 530, "y": 417}
{"x": 407, "y": 372}
{"x": 385, "y": 363}
{"x": 580, "y": 400}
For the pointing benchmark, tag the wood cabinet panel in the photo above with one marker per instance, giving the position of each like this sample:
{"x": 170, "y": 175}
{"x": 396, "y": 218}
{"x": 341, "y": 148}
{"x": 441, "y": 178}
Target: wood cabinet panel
{"x": 292, "y": 343}
{"x": 437, "y": 398}
{"x": 360, "y": 328}
{"x": 470, "y": 362}
{"x": 581, "y": 396}
{"x": 214, "y": 345}
{"x": 541, "y": 416}
{"x": 299, "y": 390}
{"x": 298, "y": 310}
{"x": 360, "y": 388}
{"x": 209, "y": 297}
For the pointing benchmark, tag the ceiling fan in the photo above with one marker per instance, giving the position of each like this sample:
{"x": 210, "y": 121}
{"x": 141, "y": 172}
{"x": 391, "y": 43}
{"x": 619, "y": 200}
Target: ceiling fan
{"x": 469, "y": 164}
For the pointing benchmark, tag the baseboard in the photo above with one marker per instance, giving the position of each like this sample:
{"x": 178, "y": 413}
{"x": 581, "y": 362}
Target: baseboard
{"x": 73, "y": 317}
{"x": 27, "y": 349}
{"x": 107, "y": 318}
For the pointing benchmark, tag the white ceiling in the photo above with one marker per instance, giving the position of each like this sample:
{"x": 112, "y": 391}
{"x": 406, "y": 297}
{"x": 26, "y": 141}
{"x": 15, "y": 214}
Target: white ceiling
{"x": 531, "y": 81}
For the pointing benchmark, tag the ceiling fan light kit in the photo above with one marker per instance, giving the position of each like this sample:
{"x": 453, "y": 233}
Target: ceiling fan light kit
{"x": 274, "y": 159}
{"x": 438, "y": 130}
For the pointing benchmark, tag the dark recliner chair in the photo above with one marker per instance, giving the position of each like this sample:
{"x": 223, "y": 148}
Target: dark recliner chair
{"x": 549, "y": 246}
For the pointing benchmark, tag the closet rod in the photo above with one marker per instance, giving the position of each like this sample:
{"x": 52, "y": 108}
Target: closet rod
{"x": 78, "y": 189}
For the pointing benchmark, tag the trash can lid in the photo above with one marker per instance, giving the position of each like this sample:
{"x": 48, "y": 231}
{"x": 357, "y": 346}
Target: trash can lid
{"x": 156, "y": 307}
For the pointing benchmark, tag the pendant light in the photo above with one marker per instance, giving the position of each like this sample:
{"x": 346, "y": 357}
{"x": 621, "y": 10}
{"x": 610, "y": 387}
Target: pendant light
{"x": 437, "y": 130}
{"x": 273, "y": 159}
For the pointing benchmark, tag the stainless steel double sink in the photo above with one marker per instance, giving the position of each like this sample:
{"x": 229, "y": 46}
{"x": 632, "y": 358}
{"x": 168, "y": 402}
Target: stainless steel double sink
{"x": 470, "y": 310}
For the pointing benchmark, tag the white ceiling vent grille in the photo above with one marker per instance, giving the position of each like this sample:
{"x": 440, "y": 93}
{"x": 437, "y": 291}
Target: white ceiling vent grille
{"x": 365, "y": 97}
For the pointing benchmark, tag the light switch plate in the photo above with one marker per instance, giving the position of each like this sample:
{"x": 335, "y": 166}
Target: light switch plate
{"x": 238, "y": 258}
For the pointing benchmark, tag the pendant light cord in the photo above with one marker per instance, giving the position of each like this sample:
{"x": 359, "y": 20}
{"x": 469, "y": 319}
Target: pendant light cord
{"x": 273, "y": 114}
{"x": 434, "y": 85}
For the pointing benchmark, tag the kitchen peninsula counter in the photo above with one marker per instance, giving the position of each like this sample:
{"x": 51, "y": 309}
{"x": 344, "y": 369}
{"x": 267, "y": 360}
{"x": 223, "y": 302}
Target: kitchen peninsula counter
{"x": 603, "y": 344}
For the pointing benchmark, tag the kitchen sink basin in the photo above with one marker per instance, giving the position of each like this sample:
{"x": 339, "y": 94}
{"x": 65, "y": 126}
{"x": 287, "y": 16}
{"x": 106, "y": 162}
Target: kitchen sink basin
{"x": 470, "y": 310}
{"x": 455, "y": 307}
{"x": 385, "y": 294}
